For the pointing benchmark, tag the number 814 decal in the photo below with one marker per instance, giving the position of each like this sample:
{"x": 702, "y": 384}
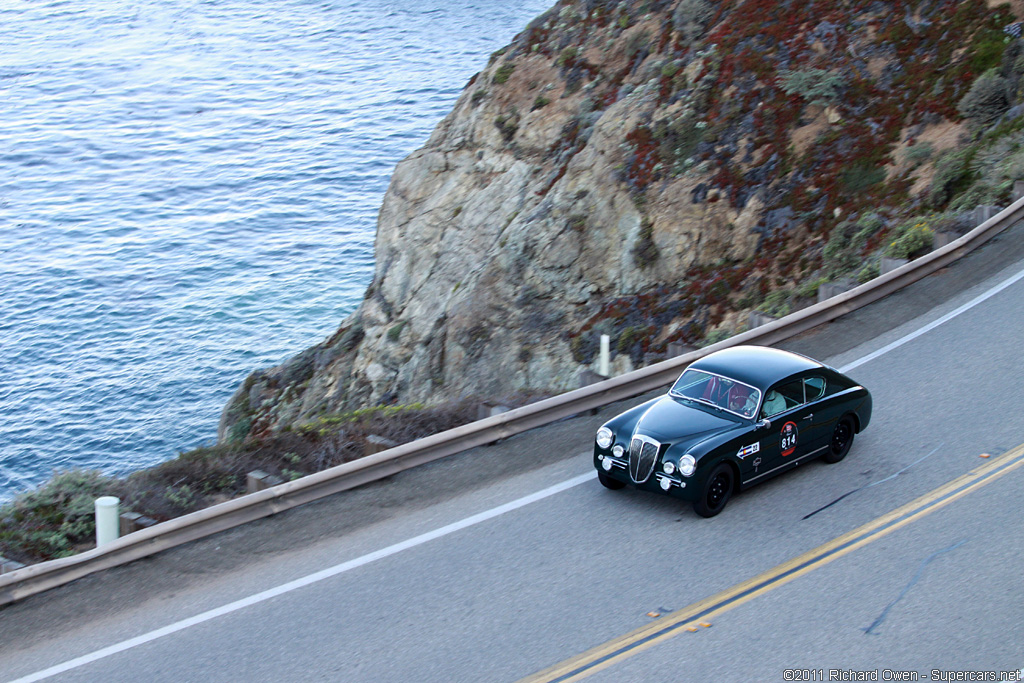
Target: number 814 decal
{"x": 788, "y": 440}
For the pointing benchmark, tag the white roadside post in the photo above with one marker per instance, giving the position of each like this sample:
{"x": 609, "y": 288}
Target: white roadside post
{"x": 605, "y": 367}
{"x": 107, "y": 522}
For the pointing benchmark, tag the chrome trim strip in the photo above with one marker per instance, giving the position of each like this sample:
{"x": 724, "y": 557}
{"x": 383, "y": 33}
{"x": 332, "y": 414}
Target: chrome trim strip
{"x": 661, "y": 475}
{"x": 786, "y": 464}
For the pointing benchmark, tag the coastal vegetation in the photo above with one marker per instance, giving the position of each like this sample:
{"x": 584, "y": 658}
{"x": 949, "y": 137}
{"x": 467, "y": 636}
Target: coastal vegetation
{"x": 57, "y": 518}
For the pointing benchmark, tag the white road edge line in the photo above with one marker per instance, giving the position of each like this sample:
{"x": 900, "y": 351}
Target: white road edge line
{"x": 442, "y": 531}
{"x": 935, "y": 323}
{"x": 306, "y": 580}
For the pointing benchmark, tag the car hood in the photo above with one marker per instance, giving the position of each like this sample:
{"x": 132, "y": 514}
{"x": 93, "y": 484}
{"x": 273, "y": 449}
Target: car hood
{"x": 672, "y": 420}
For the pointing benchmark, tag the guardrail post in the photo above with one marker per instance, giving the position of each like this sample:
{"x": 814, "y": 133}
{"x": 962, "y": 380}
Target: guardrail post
{"x": 757, "y": 319}
{"x": 107, "y": 523}
{"x": 488, "y": 409}
{"x": 942, "y": 238}
{"x": 827, "y": 290}
{"x": 376, "y": 444}
{"x": 133, "y": 521}
{"x": 983, "y": 213}
{"x": 605, "y": 366}
{"x": 257, "y": 480}
{"x": 678, "y": 349}
{"x": 8, "y": 565}
{"x": 887, "y": 265}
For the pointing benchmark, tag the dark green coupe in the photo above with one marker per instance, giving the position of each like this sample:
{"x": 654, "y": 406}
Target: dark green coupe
{"x": 732, "y": 420}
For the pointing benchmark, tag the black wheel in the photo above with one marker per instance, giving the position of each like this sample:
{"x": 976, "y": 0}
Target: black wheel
{"x": 608, "y": 482}
{"x": 716, "y": 493}
{"x": 842, "y": 439}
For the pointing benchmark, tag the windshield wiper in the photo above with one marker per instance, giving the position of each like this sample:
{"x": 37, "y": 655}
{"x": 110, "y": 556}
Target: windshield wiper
{"x": 709, "y": 403}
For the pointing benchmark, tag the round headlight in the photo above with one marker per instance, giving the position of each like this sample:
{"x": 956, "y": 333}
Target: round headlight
{"x": 618, "y": 451}
{"x": 669, "y": 468}
{"x": 687, "y": 465}
{"x": 604, "y": 437}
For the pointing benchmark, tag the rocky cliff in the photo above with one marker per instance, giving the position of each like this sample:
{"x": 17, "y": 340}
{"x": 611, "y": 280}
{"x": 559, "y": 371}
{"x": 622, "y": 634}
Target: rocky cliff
{"x": 653, "y": 171}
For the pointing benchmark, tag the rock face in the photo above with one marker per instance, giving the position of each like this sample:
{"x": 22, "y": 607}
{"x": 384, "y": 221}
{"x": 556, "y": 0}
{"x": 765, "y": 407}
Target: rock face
{"x": 647, "y": 170}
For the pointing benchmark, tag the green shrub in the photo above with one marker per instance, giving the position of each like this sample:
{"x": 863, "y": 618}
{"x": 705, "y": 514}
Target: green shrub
{"x": 567, "y": 56}
{"x": 637, "y": 43}
{"x": 53, "y": 519}
{"x": 910, "y": 239}
{"x": 629, "y": 337}
{"x": 816, "y": 86}
{"x": 670, "y": 69}
{"x": 953, "y": 174}
{"x": 577, "y": 222}
{"x": 860, "y": 176}
{"x": 844, "y": 250}
{"x": 645, "y": 251}
{"x": 691, "y": 17}
{"x": 919, "y": 153}
{"x": 540, "y": 103}
{"x": 396, "y": 330}
{"x": 987, "y": 100}
{"x": 507, "y": 125}
{"x": 502, "y": 73}
{"x": 870, "y": 271}
{"x": 778, "y": 303}
{"x": 716, "y": 335}
{"x": 809, "y": 289}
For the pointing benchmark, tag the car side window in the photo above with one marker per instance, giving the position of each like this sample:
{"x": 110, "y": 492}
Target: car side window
{"x": 814, "y": 387}
{"x": 783, "y": 397}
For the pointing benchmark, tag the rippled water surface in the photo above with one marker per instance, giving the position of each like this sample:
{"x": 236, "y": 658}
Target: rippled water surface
{"x": 188, "y": 191}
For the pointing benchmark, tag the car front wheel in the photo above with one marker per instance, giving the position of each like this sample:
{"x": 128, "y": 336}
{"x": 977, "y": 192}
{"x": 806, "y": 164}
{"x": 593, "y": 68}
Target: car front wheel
{"x": 608, "y": 482}
{"x": 842, "y": 439}
{"x": 716, "y": 493}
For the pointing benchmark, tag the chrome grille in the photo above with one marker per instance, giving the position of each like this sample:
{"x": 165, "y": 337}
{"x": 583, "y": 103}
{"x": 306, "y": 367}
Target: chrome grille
{"x": 643, "y": 455}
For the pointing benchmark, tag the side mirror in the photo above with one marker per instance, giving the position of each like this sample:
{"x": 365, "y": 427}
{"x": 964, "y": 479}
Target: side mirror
{"x": 766, "y": 423}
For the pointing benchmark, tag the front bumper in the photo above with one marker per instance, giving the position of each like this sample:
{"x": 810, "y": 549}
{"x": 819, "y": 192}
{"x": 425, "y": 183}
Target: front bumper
{"x": 659, "y": 482}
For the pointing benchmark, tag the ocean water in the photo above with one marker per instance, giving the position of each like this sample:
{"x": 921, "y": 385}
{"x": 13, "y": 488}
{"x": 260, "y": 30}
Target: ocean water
{"x": 189, "y": 191}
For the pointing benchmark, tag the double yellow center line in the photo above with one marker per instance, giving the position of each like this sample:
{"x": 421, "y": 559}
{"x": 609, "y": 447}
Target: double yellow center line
{"x": 689, "y": 618}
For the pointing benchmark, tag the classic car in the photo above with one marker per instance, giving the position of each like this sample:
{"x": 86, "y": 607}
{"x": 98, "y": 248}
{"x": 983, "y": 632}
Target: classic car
{"x": 733, "y": 419}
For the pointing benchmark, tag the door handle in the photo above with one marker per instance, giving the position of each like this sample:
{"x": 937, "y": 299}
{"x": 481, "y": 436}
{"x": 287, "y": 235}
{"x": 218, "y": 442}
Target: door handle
{"x": 811, "y": 416}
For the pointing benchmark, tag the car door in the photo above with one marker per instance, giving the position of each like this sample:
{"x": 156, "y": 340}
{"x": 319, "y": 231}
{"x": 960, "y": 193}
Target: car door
{"x": 784, "y": 440}
{"x": 820, "y": 415}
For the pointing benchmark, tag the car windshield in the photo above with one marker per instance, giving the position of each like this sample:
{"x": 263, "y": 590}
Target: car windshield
{"x": 718, "y": 391}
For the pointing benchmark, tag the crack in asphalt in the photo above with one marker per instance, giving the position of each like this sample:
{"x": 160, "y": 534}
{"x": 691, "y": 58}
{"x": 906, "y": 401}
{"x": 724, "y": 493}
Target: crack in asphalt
{"x": 920, "y": 571}
{"x": 880, "y": 481}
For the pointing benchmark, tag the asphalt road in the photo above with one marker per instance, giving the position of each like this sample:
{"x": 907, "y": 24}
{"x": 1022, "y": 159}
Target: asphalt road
{"x": 427, "y": 578}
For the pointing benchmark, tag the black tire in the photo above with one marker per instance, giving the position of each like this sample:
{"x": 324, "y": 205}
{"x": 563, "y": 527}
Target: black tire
{"x": 716, "y": 493}
{"x": 608, "y": 482}
{"x": 842, "y": 440}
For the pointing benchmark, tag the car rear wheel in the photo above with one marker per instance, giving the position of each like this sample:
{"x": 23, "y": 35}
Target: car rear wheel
{"x": 716, "y": 493}
{"x": 842, "y": 439}
{"x": 608, "y": 482}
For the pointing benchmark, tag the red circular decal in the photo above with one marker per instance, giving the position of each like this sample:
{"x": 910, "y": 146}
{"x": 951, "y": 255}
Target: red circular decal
{"x": 789, "y": 436}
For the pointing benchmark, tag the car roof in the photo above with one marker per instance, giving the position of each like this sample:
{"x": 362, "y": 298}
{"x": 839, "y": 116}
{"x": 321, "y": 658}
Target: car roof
{"x": 758, "y": 366}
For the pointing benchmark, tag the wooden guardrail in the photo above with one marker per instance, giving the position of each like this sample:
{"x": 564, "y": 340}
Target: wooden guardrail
{"x": 33, "y": 579}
